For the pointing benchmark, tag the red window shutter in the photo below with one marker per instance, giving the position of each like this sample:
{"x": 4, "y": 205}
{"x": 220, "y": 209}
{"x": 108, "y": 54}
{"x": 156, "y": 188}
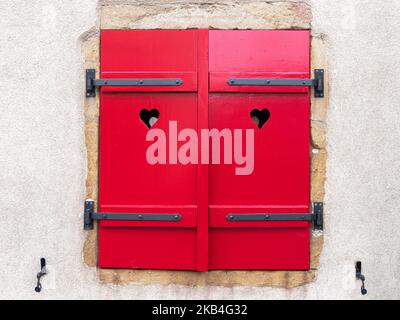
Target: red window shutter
{"x": 204, "y": 195}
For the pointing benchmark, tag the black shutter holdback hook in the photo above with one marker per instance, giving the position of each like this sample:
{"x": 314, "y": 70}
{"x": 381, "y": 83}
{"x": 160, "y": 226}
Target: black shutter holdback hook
{"x": 360, "y": 276}
{"x": 41, "y": 273}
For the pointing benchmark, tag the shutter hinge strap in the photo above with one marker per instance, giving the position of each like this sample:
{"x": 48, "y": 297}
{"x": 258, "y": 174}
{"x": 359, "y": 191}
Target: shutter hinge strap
{"x": 92, "y": 83}
{"x": 316, "y": 216}
{"x": 317, "y": 83}
{"x": 90, "y": 216}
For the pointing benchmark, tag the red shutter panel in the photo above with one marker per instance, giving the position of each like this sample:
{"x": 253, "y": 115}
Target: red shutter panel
{"x": 128, "y": 183}
{"x": 280, "y": 180}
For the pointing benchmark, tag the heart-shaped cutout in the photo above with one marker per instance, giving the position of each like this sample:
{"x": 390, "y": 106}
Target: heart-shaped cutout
{"x": 260, "y": 117}
{"x": 149, "y": 117}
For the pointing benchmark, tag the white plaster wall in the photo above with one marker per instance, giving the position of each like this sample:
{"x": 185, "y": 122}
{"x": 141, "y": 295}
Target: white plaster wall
{"x": 42, "y": 155}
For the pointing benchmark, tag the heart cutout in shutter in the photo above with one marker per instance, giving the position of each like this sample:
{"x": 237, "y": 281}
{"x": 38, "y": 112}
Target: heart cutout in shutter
{"x": 149, "y": 117}
{"x": 260, "y": 117}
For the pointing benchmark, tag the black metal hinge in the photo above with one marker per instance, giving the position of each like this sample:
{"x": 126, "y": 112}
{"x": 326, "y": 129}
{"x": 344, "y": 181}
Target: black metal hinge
{"x": 90, "y": 216}
{"x": 92, "y": 83}
{"x": 318, "y": 213}
{"x": 316, "y": 216}
{"x": 317, "y": 83}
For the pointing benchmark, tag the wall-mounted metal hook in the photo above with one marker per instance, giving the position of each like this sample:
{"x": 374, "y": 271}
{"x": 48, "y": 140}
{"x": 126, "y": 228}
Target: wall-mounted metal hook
{"x": 360, "y": 276}
{"x": 42, "y": 272}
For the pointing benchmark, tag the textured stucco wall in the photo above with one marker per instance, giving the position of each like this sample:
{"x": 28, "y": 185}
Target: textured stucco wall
{"x": 222, "y": 14}
{"x": 43, "y": 155}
